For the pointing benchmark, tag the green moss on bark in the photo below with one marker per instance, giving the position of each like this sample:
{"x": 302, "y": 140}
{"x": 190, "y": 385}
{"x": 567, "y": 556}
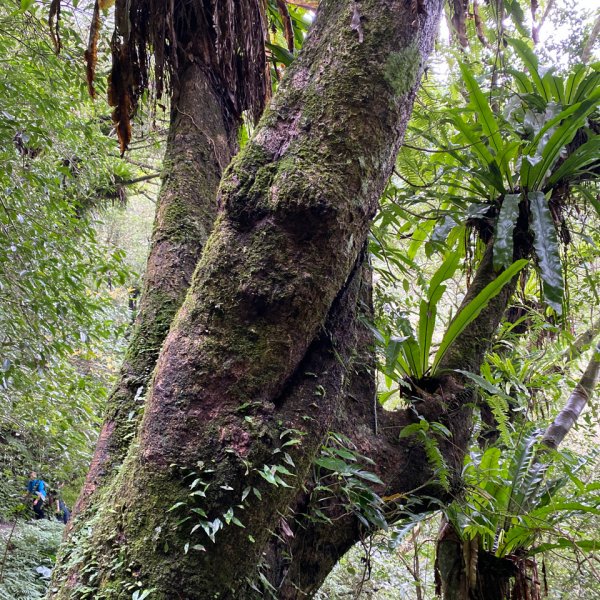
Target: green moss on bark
{"x": 296, "y": 210}
{"x": 402, "y": 69}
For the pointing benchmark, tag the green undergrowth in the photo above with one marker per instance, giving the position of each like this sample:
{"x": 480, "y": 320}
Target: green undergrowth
{"x": 33, "y": 544}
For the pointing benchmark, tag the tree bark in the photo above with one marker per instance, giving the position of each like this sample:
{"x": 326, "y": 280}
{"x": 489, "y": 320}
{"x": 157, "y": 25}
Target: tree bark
{"x": 201, "y": 143}
{"x": 567, "y": 417}
{"x": 247, "y": 369}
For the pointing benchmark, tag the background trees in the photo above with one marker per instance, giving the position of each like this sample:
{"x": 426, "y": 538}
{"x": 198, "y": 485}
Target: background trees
{"x": 57, "y": 319}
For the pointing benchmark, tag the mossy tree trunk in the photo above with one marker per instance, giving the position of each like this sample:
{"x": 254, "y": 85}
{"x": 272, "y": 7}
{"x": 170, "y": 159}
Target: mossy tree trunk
{"x": 253, "y": 366}
{"x": 201, "y": 142}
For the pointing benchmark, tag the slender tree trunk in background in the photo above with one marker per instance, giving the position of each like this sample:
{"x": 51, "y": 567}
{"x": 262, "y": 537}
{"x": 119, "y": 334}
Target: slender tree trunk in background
{"x": 255, "y": 359}
{"x": 567, "y": 417}
{"x": 201, "y": 142}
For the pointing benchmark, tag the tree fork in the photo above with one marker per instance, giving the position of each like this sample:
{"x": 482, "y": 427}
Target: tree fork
{"x": 297, "y": 564}
{"x": 296, "y": 206}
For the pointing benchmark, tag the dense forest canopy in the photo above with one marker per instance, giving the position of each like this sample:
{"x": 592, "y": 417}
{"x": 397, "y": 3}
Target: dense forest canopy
{"x": 361, "y": 355}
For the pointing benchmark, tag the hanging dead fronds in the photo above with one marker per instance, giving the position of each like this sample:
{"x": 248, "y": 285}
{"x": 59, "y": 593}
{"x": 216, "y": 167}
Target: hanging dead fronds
{"x": 91, "y": 52}
{"x": 226, "y": 37}
{"x": 54, "y": 24}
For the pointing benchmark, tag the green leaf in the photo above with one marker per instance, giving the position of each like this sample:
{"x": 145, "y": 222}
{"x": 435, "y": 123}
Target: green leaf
{"x": 478, "y": 146}
{"x": 531, "y": 63}
{"x": 414, "y": 429}
{"x": 368, "y": 476}
{"x": 26, "y": 5}
{"x": 587, "y": 154}
{"x": 573, "y": 81}
{"x": 281, "y": 54}
{"x": 571, "y": 120}
{"x": 428, "y": 309}
{"x": 554, "y": 86}
{"x": 485, "y": 116}
{"x": 586, "y": 87}
{"x": 490, "y": 461}
{"x": 503, "y": 240}
{"x": 333, "y": 464}
{"x": 485, "y": 384}
{"x": 522, "y": 80}
{"x": 472, "y": 310}
{"x": 585, "y": 545}
{"x": 545, "y": 244}
{"x": 412, "y": 355}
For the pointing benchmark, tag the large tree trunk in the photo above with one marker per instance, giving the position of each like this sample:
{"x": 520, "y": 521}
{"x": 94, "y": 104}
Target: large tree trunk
{"x": 201, "y": 142}
{"x": 254, "y": 361}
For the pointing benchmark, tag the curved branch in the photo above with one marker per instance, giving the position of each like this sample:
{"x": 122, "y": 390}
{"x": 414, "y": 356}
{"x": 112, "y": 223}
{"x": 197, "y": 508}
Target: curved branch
{"x": 567, "y": 417}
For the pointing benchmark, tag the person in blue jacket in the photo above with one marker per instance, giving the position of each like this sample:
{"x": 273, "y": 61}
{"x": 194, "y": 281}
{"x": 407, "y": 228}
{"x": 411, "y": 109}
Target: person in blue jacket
{"x": 37, "y": 489}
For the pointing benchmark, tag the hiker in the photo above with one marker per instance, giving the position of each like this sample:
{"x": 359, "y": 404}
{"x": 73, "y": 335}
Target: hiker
{"x": 61, "y": 510}
{"x": 37, "y": 488}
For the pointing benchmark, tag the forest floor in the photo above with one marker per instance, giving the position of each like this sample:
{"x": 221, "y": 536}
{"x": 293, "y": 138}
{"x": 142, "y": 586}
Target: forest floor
{"x": 27, "y": 562}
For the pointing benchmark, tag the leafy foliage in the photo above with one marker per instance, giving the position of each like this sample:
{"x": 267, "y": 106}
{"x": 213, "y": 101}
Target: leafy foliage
{"x": 508, "y": 509}
{"x": 343, "y": 472}
{"x": 33, "y": 545}
{"x": 56, "y": 312}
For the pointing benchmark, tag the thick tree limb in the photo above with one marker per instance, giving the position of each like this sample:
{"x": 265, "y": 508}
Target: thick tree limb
{"x": 200, "y": 143}
{"x": 574, "y": 406}
{"x": 296, "y": 565}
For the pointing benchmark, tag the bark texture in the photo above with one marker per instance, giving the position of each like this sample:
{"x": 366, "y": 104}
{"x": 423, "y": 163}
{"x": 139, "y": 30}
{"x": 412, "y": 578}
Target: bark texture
{"x": 463, "y": 572}
{"x": 254, "y": 360}
{"x": 201, "y": 143}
